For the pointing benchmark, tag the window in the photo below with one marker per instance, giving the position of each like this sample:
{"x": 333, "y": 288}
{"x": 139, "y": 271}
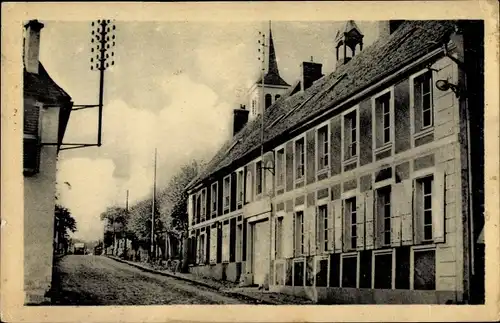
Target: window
{"x": 269, "y": 100}
{"x": 279, "y": 238}
{"x": 203, "y": 204}
{"x": 31, "y": 138}
{"x": 249, "y": 187}
{"x": 280, "y": 167}
{"x": 322, "y": 272}
{"x": 198, "y": 207}
{"x": 350, "y": 135}
{"x": 424, "y": 269}
{"x": 383, "y": 270}
{"x": 258, "y": 178}
{"x": 254, "y": 107}
{"x": 384, "y": 215}
{"x": 225, "y": 242}
{"x": 227, "y": 190}
{"x": 202, "y": 251}
{"x": 423, "y": 105}
{"x": 350, "y": 209}
{"x": 232, "y": 240}
{"x": 298, "y": 273}
{"x": 322, "y": 227}
{"x": 299, "y": 158}
{"x": 213, "y": 197}
{"x": 299, "y": 233}
{"x": 213, "y": 245}
{"x": 383, "y": 120}
{"x": 239, "y": 192}
{"x": 424, "y": 205}
{"x": 322, "y": 148}
{"x": 276, "y": 97}
{"x": 349, "y": 270}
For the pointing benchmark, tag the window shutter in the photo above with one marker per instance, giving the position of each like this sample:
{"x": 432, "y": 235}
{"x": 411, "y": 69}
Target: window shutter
{"x": 438, "y": 212}
{"x": 397, "y": 195}
{"x": 369, "y": 223}
{"x": 331, "y": 227}
{"x": 295, "y": 235}
{"x": 360, "y": 222}
{"x": 337, "y": 212}
{"x": 310, "y": 233}
{"x": 407, "y": 213}
{"x": 346, "y": 227}
{"x": 418, "y": 222}
{"x": 288, "y": 246}
{"x": 320, "y": 225}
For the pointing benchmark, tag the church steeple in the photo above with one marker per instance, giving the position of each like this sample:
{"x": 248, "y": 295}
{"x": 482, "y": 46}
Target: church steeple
{"x": 349, "y": 36}
{"x": 272, "y": 76}
{"x": 263, "y": 94}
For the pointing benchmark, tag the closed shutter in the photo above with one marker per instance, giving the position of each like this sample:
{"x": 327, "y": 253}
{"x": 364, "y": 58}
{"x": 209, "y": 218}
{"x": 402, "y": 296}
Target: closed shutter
{"x": 360, "y": 222}
{"x": 213, "y": 245}
{"x": 320, "y": 225}
{"x": 407, "y": 213}
{"x": 397, "y": 195}
{"x": 287, "y": 244}
{"x": 295, "y": 234}
{"x": 310, "y": 233}
{"x": 337, "y": 211}
{"x": 331, "y": 227}
{"x": 207, "y": 246}
{"x": 369, "y": 223}
{"x": 438, "y": 211}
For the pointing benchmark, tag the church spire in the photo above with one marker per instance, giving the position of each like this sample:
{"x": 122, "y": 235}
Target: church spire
{"x": 272, "y": 76}
{"x": 272, "y": 67}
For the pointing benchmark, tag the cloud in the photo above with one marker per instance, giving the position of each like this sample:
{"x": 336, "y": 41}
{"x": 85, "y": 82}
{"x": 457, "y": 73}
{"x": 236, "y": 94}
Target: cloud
{"x": 192, "y": 125}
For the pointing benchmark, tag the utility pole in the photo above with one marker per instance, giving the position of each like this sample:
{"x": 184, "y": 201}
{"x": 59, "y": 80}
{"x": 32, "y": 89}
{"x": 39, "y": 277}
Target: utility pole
{"x": 104, "y": 42}
{"x": 153, "y": 211}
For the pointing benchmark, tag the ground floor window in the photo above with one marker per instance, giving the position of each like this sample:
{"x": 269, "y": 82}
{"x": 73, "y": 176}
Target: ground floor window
{"x": 424, "y": 269}
{"x": 350, "y": 270}
{"x": 402, "y": 268}
{"x": 335, "y": 270}
{"x": 322, "y": 272}
{"x": 298, "y": 273}
{"x": 383, "y": 269}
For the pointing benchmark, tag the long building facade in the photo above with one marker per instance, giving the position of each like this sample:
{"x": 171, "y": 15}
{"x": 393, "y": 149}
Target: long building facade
{"x": 364, "y": 191}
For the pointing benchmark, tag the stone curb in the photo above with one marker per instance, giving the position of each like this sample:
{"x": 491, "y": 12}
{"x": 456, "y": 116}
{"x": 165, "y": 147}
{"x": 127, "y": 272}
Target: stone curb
{"x": 197, "y": 282}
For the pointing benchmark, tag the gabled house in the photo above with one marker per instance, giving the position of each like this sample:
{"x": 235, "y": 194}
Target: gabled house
{"x": 47, "y": 108}
{"x": 364, "y": 191}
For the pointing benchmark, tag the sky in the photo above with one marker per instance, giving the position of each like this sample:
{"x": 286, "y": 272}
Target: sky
{"x": 173, "y": 86}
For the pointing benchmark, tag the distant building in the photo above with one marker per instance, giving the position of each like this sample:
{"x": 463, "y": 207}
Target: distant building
{"x": 366, "y": 192}
{"x": 47, "y": 109}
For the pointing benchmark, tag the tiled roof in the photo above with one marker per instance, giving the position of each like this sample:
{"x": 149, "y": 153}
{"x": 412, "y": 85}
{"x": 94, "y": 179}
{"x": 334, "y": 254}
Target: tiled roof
{"x": 43, "y": 88}
{"x": 412, "y": 40}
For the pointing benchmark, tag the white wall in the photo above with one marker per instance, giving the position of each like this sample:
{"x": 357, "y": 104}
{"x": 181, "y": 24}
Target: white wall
{"x": 39, "y": 205}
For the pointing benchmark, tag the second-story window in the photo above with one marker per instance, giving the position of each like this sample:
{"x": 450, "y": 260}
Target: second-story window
{"x": 203, "y": 204}
{"x": 322, "y": 148}
{"x": 227, "y": 193}
{"x": 383, "y": 120}
{"x": 350, "y": 135}
{"x": 299, "y": 158}
{"x": 258, "y": 178}
{"x": 384, "y": 215}
{"x": 213, "y": 203}
{"x": 423, "y": 105}
{"x": 280, "y": 167}
{"x": 239, "y": 191}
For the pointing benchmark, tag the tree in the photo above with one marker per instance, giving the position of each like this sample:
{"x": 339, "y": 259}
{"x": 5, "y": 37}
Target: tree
{"x": 116, "y": 223}
{"x": 172, "y": 202}
{"x": 64, "y": 223}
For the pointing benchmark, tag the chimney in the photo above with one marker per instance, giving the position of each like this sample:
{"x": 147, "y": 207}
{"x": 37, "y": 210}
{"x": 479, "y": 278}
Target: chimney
{"x": 240, "y": 119}
{"x": 311, "y": 72}
{"x": 387, "y": 27}
{"x": 32, "y": 46}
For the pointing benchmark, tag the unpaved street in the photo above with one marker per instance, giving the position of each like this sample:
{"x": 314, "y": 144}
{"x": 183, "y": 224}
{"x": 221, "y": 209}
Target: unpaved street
{"x": 98, "y": 280}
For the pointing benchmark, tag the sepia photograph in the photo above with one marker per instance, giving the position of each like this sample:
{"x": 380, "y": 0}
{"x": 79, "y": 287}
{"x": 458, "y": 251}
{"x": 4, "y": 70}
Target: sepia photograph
{"x": 252, "y": 162}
